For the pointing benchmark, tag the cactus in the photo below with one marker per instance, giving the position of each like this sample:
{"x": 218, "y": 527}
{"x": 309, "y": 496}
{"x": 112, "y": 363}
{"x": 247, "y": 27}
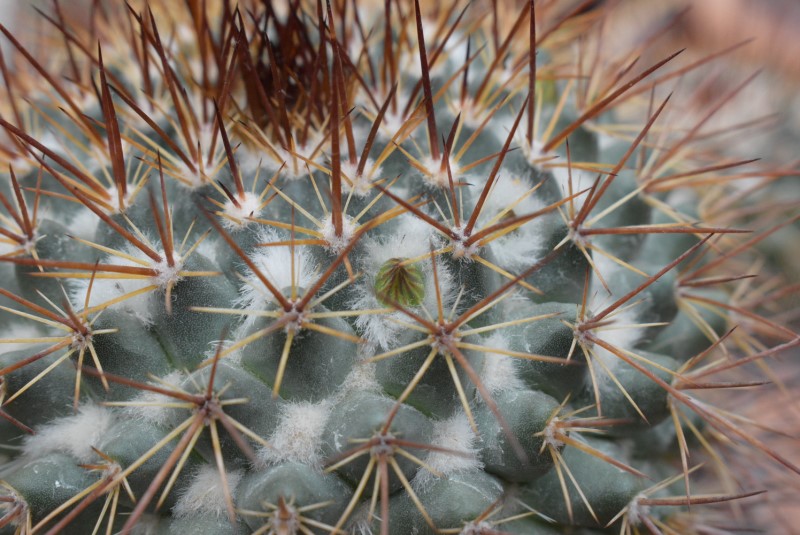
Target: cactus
{"x": 356, "y": 267}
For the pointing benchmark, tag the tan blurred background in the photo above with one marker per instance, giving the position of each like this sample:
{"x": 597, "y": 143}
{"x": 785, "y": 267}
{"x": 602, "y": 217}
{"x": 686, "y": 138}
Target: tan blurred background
{"x": 707, "y": 26}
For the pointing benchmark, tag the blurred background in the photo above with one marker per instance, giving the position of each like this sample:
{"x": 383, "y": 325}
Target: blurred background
{"x": 773, "y": 28}
{"x": 703, "y": 27}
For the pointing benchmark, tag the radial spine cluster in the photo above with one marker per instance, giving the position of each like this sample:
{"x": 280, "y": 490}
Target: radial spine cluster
{"x": 345, "y": 266}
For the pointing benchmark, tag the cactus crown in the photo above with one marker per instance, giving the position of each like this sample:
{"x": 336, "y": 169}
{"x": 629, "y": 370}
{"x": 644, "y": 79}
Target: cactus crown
{"x": 357, "y": 267}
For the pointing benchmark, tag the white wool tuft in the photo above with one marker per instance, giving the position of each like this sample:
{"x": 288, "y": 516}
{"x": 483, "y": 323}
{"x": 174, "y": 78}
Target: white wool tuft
{"x": 617, "y": 334}
{"x": 359, "y": 183}
{"x": 438, "y": 177}
{"x": 412, "y": 239}
{"x": 296, "y": 163}
{"x": 237, "y": 216}
{"x": 638, "y": 511}
{"x": 197, "y": 178}
{"x": 253, "y": 161}
{"x": 472, "y": 115}
{"x": 337, "y": 243}
{"x": 517, "y": 250}
{"x": 581, "y": 180}
{"x": 104, "y": 290}
{"x": 191, "y": 179}
{"x": 478, "y": 528}
{"x": 74, "y": 435}
{"x": 298, "y": 437}
{"x": 453, "y": 434}
{"x": 499, "y": 372}
{"x": 206, "y": 493}
{"x": 275, "y": 263}
{"x": 605, "y": 266}
{"x": 507, "y": 192}
{"x": 84, "y": 223}
{"x": 625, "y": 338}
{"x": 392, "y": 122}
{"x": 379, "y": 330}
{"x": 150, "y": 411}
{"x": 361, "y": 378}
{"x": 18, "y": 330}
{"x": 535, "y": 153}
{"x": 361, "y": 522}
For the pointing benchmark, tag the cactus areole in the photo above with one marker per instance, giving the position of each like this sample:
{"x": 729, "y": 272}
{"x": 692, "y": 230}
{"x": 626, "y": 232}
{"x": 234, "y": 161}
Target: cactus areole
{"x": 301, "y": 267}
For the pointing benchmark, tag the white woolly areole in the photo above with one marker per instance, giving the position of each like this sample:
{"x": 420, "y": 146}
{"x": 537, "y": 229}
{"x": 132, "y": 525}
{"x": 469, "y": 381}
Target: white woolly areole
{"x": 236, "y": 216}
{"x": 336, "y": 243}
{"x": 206, "y": 493}
{"x": 638, "y": 510}
{"x": 618, "y": 334}
{"x": 276, "y": 265}
{"x": 499, "y": 372}
{"x": 74, "y": 435}
{"x": 393, "y": 121}
{"x": 454, "y": 434}
{"x": 412, "y": 239}
{"x": 535, "y": 153}
{"x": 84, "y": 224}
{"x": 359, "y": 183}
{"x": 435, "y": 175}
{"x": 520, "y": 249}
{"x": 472, "y": 114}
{"x": 360, "y": 379}
{"x": 361, "y": 522}
{"x": 252, "y": 161}
{"x": 104, "y": 290}
{"x": 551, "y": 433}
{"x": 581, "y": 180}
{"x": 298, "y": 437}
{"x": 18, "y": 330}
{"x": 295, "y": 162}
{"x": 624, "y": 339}
{"x": 200, "y": 176}
{"x": 150, "y": 409}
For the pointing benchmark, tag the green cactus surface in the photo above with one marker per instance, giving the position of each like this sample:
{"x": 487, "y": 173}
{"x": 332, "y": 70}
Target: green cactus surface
{"x": 297, "y": 267}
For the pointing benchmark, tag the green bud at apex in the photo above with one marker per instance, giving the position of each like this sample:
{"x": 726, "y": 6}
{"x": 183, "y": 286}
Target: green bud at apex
{"x": 401, "y": 283}
{"x": 359, "y": 267}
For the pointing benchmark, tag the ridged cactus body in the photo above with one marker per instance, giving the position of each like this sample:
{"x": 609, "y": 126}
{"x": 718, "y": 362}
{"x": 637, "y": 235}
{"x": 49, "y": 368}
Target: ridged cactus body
{"x": 339, "y": 268}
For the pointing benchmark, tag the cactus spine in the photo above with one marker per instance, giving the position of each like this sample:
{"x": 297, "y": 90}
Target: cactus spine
{"x": 356, "y": 267}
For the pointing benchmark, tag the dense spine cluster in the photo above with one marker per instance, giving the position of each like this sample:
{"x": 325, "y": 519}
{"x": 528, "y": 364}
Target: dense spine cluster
{"x": 336, "y": 266}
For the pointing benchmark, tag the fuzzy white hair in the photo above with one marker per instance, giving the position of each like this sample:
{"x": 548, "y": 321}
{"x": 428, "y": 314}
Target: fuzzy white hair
{"x": 150, "y": 409}
{"x": 275, "y": 263}
{"x": 499, "y": 372}
{"x": 105, "y": 290}
{"x": 518, "y": 250}
{"x": 206, "y": 493}
{"x": 413, "y": 239}
{"x": 455, "y": 434}
{"x": 74, "y": 434}
{"x": 298, "y": 437}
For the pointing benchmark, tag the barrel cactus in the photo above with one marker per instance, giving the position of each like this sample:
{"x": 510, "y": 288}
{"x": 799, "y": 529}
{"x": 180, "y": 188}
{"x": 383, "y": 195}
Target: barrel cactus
{"x": 366, "y": 267}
